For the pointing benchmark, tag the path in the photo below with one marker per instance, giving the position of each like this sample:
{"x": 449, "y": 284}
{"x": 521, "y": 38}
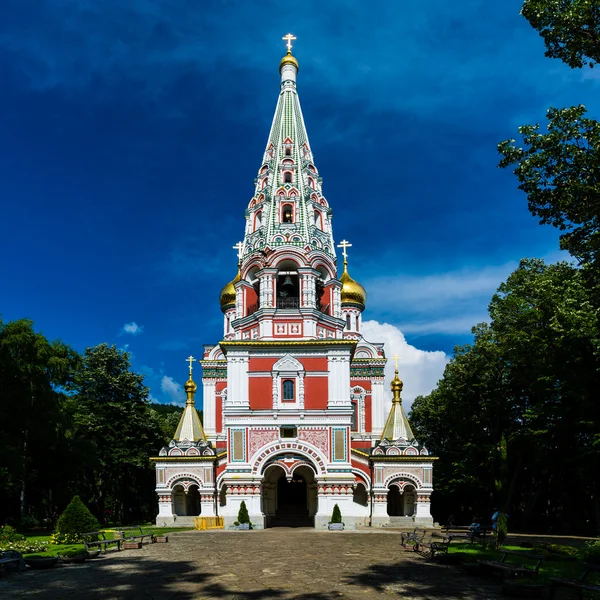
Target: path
{"x": 285, "y": 564}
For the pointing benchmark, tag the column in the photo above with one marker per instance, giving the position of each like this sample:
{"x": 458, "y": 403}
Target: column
{"x": 209, "y": 406}
{"x": 237, "y": 378}
{"x": 377, "y": 406}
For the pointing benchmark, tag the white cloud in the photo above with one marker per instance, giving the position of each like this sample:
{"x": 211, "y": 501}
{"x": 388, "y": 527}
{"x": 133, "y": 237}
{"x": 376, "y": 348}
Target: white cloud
{"x": 173, "y": 390}
{"x": 420, "y": 370}
{"x": 132, "y": 328}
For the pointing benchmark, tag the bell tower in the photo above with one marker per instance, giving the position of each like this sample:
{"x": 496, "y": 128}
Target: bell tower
{"x": 293, "y": 395}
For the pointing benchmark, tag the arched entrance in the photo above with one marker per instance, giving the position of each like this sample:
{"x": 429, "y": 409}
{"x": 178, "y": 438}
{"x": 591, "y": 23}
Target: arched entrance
{"x": 289, "y": 500}
{"x": 401, "y": 500}
{"x": 186, "y": 503}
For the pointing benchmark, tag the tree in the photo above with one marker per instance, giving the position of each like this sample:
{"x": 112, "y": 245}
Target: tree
{"x": 336, "y": 515}
{"x": 570, "y": 29}
{"x": 515, "y": 416}
{"x": 33, "y": 376}
{"x": 119, "y": 431}
{"x": 76, "y": 519}
{"x": 243, "y": 516}
{"x": 559, "y": 170}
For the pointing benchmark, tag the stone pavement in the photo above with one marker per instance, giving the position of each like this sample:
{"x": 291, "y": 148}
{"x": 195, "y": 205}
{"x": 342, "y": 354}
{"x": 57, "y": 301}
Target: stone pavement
{"x": 282, "y": 564}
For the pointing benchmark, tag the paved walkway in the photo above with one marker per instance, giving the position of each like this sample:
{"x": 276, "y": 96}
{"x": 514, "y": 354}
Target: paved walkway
{"x": 282, "y": 564}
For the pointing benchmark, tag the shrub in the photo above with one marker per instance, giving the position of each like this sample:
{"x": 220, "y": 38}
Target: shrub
{"x": 9, "y": 534}
{"x": 591, "y": 553}
{"x": 243, "y": 516}
{"x": 336, "y": 515}
{"x": 65, "y": 538}
{"x": 559, "y": 552}
{"x": 76, "y": 519}
{"x": 29, "y": 522}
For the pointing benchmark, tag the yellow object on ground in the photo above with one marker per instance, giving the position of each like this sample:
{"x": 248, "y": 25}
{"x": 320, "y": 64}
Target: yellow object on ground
{"x": 201, "y": 523}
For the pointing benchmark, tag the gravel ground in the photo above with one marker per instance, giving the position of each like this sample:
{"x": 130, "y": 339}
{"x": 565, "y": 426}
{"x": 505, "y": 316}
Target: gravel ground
{"x": 299, "y": 564}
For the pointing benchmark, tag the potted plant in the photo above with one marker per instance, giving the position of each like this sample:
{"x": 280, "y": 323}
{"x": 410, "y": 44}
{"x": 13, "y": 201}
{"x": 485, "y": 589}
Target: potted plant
{"x": 75, "y": 555}
{"x": 336, "y": 520}
{"x": 243, "y": 520}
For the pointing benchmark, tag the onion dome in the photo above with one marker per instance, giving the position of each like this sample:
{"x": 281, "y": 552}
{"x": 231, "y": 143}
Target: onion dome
{"x": 352, "y": 292}
{"x": 288, "y": 59}
{"x": 397, "y": 426}
{"x": 227, "y": 295}
{"x": 190, "y": 427}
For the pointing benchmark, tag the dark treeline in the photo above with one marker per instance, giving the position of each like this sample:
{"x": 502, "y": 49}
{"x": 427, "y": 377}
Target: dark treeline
{"x": 516, "y": 418}
{"x": 75, "y": 424}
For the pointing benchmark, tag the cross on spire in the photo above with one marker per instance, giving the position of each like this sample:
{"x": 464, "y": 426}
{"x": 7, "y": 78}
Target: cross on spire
{"x": 239, "y": 247}
{"x": 289, "y": 38}
{"x": 345, "y": 245}
{"x": 396, "y": 359}
{"x": 190, "y": 359}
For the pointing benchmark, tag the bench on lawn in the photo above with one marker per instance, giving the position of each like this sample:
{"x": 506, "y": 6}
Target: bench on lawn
{"x": 98, "y": 538}
{"x": 137, "y": 534}
{"x": 510, "y": 569}
{"x": 578, "y": 584}
{"x": 11, "y": 557}
{"x": 465, "y": 532}
{"x": 435, "y": 544}
{"x": 412, "y": 537}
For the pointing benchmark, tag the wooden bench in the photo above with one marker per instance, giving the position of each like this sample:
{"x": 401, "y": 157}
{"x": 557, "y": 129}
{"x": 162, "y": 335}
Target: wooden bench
{"x": 137, "y": 534}
{"x": 580, "y": 584}
{"x": 465, "y": 532}
{"x": 511, "y": 570}
{"x": 412, "y": 537}
{"x": 93, "y": 539}
{"x": 11, "y": 557}
{"x": 435, "y": 544}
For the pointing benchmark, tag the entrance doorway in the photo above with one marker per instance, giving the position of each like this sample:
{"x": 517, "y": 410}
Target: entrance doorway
{"x": 289, "y": 502}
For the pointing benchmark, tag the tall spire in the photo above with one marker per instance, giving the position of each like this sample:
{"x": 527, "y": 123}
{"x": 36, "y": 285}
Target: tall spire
{"x": 397, "y": 426}
{"x": 190, "y": 427}
{"x": 288, "y": 207}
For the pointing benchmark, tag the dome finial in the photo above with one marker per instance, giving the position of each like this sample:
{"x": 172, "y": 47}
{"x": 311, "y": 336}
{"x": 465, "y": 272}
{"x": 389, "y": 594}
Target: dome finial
{"x": 353, "y": 293}
{"x": 396, "y": 384}
{"x": 190, "y": 386}
{"x": 288, "y": 74}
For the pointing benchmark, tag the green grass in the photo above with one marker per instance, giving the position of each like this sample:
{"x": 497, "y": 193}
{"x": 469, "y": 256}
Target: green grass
{"x": 59, "y": 550}
{"x": 554, "y": 565}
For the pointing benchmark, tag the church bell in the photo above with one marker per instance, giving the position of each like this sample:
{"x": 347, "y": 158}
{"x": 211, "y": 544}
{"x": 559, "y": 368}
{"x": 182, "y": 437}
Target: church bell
{"x": 288, "y": 284}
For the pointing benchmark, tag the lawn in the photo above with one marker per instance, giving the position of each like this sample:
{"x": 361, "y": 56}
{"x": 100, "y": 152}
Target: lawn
{"x": 51, "y": 549}
{"x": 559, "y": 561}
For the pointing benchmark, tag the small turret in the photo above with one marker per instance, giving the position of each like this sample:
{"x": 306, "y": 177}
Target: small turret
{"x": 190, "y": 427}
{"x": 397, "y": 426}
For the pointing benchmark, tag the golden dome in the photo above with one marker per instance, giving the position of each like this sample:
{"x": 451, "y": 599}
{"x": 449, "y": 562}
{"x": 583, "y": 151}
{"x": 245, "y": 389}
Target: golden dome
{"x": 396, "y": 386}
{"x": 227, "y": 295}
{"x": 288, "y": 59}
{"x": 190, "y": 386}
{"x": 352, "y": 291}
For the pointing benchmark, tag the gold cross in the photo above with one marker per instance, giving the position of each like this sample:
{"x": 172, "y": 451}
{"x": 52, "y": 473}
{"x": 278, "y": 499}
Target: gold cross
{"x": 289, "y": 37}
{"x": 396, "y": 359}
{"x": 345, "y": 245}
{"x": 239, "y": 246}
{"x": 190, "y": 359}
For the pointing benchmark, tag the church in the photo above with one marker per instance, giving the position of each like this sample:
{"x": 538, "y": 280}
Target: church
{"x": 295, "y": 415}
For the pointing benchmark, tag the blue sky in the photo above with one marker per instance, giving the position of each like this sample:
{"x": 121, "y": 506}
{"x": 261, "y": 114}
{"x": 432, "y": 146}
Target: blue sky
{"x": 131, "y": 132}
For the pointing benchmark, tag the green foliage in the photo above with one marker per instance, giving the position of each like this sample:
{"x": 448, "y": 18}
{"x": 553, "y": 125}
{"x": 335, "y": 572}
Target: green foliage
{"x": 559, "y": 170}
{"x": 9, "y": 534}
{"x": 336, "y": 515}
{"x": 243, "y": 516}
{"x": 510, "y": 405}
{"x": 591, "y": 553}
{"x": 63, "y": 539}
{"x": 24, "y": 546}
{"x": 501, "y": 530}
{"x": 570, "y": 29}
{"x": 557, "y": 551}
{"x": 76, "y": 519}
{"x": 29, "y": 522}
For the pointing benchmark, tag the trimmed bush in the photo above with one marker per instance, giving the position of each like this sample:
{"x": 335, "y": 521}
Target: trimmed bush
{"x": 336, "y": 515}
{"x": 591, "y": 553}
{"x": 76, "y": 519}
{"x": 9, "y": 534}
{"x": 243, "y": 516}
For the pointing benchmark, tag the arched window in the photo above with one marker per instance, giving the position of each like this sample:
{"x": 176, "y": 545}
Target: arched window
{"x": 287, "y": 177}
{"x": 287, "y": 213}
{"x": 289, "y": 391}
{"x": 288, "y": 151}
{"x": 317, "y": 217}
{"x": 258, "y": 220}
{"x": 348, "y": 323}
{"x": 354, "y": 419}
